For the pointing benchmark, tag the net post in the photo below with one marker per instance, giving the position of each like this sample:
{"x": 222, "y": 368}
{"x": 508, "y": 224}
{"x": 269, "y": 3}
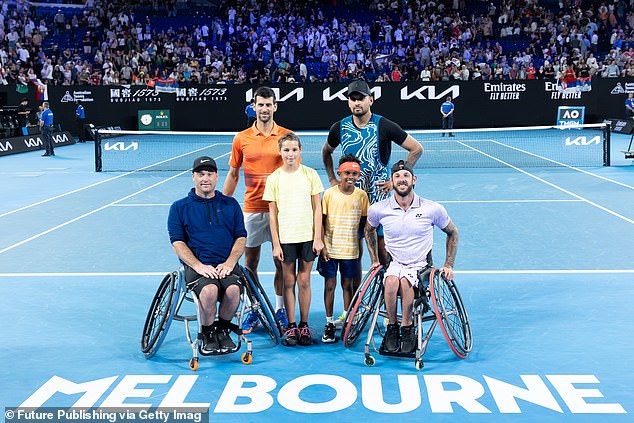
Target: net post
{"x": 606, "y": 145}
{"x": 98, "y": 163}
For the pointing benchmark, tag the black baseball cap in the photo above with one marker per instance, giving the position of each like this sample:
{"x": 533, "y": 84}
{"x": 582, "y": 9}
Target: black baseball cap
{"x": 359, "y": 86}
{"x": 204, "y": 163}
{"x": 402, "y": 165}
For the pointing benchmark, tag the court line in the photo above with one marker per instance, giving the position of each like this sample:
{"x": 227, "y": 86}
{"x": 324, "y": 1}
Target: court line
{"x": 605, "y": 209}
{"x": 440, "y": 201}
{"x": 460, "y": 272}
{"x": 565, "y": 165}
{"x": 10, "y": 247}
{"x": 102, "y": 182}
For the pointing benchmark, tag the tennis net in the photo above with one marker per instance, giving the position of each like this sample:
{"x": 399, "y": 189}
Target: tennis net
{"x": 538, "y": 146}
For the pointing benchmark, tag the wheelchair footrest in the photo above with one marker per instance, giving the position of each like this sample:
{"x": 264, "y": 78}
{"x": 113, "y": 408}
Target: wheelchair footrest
{"x": 397, "y": 353}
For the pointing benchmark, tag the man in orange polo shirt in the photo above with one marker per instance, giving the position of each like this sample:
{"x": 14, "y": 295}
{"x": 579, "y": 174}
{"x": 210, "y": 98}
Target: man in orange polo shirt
{"x": 257, "y": 151}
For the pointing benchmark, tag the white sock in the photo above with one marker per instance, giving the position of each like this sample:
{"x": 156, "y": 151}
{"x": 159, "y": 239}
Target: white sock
{"x": 279, "y": 302}
{"x": 330, "y": 319}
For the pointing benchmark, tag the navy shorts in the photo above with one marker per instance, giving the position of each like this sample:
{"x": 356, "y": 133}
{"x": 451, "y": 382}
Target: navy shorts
{"x": 196, "y": 282}
{"x": 298, "y": 250}
{"x": 347, "y": 268}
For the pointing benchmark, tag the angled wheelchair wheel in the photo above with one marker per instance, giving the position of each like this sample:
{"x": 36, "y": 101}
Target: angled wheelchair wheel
{"x": 261, "y": 304}
{"x": 160, "y": 315}
{"x": 451, "y": 314}
{"x": 362, "y": 305}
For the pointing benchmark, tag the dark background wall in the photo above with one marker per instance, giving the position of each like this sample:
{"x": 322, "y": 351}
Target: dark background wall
{"x": 414, "y": 105}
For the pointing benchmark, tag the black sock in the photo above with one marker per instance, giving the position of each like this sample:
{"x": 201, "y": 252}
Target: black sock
{"x": 223, "y": 324}
{"x": 303, "y": 324}
{"x": 292, "y": 325}
{"x": 208, "y": 329}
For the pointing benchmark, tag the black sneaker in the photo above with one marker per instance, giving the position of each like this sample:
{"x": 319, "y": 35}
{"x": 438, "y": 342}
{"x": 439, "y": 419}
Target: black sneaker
{"x": 329, "y": 334}
{"x": 408, "y": 335}
{"x": 292, "y": 337}
{"x": 304, "y": 336}
{"x": 210, "y": 343}
{"x": 225, "y": 341}
{"x": 391, "y": 339}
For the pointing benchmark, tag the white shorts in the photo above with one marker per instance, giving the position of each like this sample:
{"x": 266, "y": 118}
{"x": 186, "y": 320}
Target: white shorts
{"x": 401, "y": 271}
{"x": 258, "y": 228}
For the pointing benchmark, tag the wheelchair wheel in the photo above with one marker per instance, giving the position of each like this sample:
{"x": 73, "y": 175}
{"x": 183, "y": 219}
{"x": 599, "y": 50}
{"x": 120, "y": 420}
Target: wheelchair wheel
{"x": 160, "y": 315}
{"x": 451, "y": 314}
{"x": 261, "y": 304}
{"x": 363, "y": 304}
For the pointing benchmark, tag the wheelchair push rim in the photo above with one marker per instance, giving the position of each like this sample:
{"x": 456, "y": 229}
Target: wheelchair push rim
{"x": 362, "y": 304}
{"x": 451, "y": 314}
{"x": 160, "y": 315}
{"x": 261, "y": 304}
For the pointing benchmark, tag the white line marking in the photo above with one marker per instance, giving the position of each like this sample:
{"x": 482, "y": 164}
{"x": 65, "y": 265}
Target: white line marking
{"x": 97, "y": 183}
{"x": 142, "y": 205}
{"x": 605, "y": 209}
{"x": 460, "y": 272}
{"x": 567, "y": 166}
{"x": 10, "y": 247}
{"x": 438, "y": 201}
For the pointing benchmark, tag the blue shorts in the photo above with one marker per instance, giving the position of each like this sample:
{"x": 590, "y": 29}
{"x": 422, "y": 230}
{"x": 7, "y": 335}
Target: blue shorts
{"x": 347, "y": 268}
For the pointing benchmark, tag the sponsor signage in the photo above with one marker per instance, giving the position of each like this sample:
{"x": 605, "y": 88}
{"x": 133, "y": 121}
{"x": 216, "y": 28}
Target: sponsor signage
{"x": 125, "y": 94}
{"x": 623, "y": 126}
{"x": 570, "y": 115}
{"x": 199, "y": 94}
{"x": 154, "y": 120}
{"x": 556, "y": 93}
{"x": 504, "y": 90}
{"x": 288, "y": 93}
{"x": 33, "y": 142}
{"x": 84, "y": 96}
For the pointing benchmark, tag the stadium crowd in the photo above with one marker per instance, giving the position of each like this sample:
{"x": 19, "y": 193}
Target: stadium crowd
{"x": 122, "y": 42}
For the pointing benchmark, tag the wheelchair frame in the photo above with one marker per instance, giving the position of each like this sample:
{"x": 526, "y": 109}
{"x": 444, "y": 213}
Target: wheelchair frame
{"x": 166, "y": 306}
{"x": 447, "y": 309}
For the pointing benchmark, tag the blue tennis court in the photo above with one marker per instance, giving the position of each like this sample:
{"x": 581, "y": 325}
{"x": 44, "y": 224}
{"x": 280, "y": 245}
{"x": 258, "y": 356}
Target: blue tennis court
{"x": 544, "y": 268}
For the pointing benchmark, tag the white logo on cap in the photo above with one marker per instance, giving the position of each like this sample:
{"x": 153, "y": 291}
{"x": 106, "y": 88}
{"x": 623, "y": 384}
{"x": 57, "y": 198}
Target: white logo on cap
{"x": 204, "y": 161}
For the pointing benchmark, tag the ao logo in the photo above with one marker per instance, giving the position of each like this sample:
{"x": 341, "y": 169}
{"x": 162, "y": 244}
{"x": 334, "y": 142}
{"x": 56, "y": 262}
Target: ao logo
{"x": 571, "y": 114}
{"x": 121, "y": 146}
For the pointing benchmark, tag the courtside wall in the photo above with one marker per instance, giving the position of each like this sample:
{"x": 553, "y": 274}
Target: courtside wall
{"x": 415, "y": 105}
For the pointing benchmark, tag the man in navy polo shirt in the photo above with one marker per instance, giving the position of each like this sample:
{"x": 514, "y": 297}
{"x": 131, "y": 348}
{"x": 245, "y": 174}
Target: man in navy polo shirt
{"x": 207, "y": 232}
{"x": 80, "y": 117}
{"x": 408, "y": 225}
{"x": 446, "y": 109}
{"x": 46, "y": 127}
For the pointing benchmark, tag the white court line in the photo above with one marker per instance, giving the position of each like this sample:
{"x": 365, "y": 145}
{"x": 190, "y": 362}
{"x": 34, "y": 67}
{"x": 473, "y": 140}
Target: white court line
{"x": 10, "y": 247}
{"x": 592, "y": 203}
{"x": 565, "y": 165}
{"x": 441, "y": 201}
{"x": 460, "y": 272}
{"x": 104, "y": 181}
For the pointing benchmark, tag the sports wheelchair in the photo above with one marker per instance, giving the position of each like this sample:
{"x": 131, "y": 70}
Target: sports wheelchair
{"x": 434, "y": 293}
{"x": 172, "y": 294}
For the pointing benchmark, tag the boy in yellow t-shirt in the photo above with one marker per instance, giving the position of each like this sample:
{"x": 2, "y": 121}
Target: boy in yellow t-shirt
{"x": 345, "y": 209}
{"x": 295, "y": 213}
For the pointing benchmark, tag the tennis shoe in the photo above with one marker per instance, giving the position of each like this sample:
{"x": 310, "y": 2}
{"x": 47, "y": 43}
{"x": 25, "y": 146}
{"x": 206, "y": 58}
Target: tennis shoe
{"x": 329, "y": 334}
{"x": 250, "y": 322}
{"x": 292, "y": 337}
{"x": 340, "y": 320}
{"x": 304, "y": 336}
{"x": 281, "y": 317}
{"x": 210, "y": 343}
{"x": 391, "y": 339}
{"x": 224, "y": 340}
{"x": 408, "y": 336}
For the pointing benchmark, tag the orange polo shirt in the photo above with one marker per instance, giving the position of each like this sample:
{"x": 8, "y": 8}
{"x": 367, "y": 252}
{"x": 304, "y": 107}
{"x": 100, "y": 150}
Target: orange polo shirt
{"x": 259, "y": 155}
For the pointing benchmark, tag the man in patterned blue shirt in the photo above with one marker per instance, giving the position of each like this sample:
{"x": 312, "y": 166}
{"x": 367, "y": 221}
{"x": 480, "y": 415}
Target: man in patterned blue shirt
{"x": 368, "y": 137}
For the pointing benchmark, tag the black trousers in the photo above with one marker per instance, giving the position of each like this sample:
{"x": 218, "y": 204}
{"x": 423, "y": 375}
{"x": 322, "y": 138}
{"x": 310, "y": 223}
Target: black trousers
{"x": 80, "y": 130}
